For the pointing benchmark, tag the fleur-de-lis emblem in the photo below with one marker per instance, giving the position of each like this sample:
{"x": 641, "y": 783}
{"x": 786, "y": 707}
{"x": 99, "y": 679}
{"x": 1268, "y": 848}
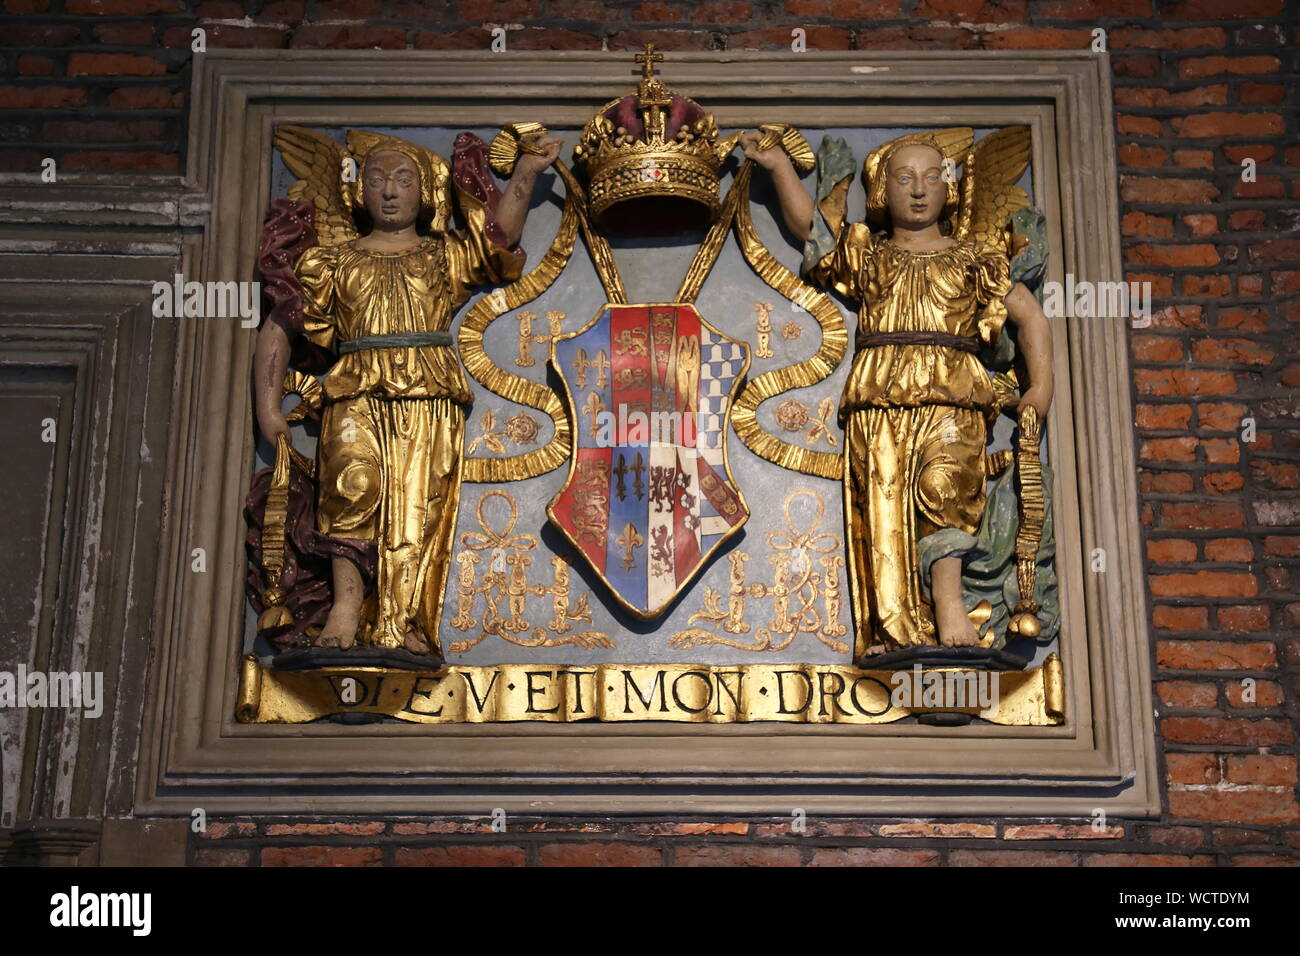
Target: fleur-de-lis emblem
{"x": 629, "y": 541}
{"x": 580, "y": 365}
{"x": 593, "y": 406}
{"x": 601, "y": 364}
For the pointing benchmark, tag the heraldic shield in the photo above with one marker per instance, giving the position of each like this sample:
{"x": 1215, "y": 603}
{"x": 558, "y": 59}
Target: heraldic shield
{"x": 649, "y": 495}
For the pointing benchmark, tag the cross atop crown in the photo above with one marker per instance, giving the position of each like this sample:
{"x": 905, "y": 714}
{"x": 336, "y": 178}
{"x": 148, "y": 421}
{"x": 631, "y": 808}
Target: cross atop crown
{"x": 648, "y": 59}
{"x": 651, "y": 95}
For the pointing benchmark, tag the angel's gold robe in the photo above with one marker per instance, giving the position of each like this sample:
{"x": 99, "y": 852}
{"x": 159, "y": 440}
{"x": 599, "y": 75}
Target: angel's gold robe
{"x": 393, "y": 422}
{"x": 915, "y": 420}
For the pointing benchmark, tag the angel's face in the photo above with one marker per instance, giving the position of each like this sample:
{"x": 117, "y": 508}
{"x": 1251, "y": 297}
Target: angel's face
{"x": 392, "y": 190}
{"x": 915, "y": 187}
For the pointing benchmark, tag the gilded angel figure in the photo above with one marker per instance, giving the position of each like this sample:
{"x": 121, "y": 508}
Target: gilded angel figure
{"x": 377, "y": 272}
{"x": 930, "y": 269}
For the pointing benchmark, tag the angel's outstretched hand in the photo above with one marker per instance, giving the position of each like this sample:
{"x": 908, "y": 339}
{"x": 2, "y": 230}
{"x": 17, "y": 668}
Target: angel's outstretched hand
{"x": 1035, "y": 341}
{"x": 1038, "y": 396}
{"x": 537, "y": 153}
{"x": 770, "y": 158}
{"x": 542, "y": 151}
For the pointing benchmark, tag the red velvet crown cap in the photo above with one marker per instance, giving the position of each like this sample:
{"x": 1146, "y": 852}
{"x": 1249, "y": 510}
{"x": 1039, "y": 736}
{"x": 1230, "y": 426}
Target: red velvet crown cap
{"x": 626, "y": 113}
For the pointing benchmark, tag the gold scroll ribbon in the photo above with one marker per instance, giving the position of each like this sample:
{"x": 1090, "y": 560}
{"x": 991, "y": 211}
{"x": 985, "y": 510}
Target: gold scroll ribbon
{"x": 602, "y": 257}
{"x": 516, "y": 388}
{"x": 516, "y": 138}
{"x": 835, "y": 338}
{"x": 744, "y": 415}
{"x": 1033, "y": 512}
{"x": 735, "y": 212}
{"x": 681, "y": 693}
{"x": 276, "y": 616}
{"x": 707, "y": 254}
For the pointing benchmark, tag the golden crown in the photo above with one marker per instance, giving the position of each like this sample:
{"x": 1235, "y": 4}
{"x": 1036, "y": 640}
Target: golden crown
{"x": 652, "y": 159}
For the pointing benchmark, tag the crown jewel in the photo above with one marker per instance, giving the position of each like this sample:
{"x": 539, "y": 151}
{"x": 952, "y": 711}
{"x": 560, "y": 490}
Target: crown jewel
{"x": 652, "y": 159}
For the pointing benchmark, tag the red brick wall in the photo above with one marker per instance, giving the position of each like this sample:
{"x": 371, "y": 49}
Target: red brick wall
{"x": 1200, "y": 85}
{"x": 1192, "y": 840}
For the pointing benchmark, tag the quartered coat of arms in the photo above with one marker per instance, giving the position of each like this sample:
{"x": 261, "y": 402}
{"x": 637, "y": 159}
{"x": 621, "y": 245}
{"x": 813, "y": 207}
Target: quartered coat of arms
{"x": 649, "y": 496}
{"x": 648, "y": 474}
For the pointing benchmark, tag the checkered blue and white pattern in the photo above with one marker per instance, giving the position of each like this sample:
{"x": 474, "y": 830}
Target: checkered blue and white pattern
{"x": 721, "y": 362}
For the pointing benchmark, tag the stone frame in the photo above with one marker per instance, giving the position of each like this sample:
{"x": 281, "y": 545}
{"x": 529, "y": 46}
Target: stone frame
{"x": 193, "y": 752}
{"x": 77, "y": 336}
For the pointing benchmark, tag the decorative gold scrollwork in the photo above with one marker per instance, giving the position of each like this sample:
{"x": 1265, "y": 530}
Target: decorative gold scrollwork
{"x": 795, "y": 589}
{"x": 763, "y": 330}
{"x": 504, "y": 150}
{"x": 505, "y": 578}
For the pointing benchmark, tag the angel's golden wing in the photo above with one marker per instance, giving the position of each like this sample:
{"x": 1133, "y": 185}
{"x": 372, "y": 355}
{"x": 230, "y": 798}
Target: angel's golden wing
{"x": 989, "y": 190}
{"x": 362, "y": 141}
{"x": 317, "y": 161}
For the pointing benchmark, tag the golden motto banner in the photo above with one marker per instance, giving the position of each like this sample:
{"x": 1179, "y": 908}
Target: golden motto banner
{"x": 690, "y": 693}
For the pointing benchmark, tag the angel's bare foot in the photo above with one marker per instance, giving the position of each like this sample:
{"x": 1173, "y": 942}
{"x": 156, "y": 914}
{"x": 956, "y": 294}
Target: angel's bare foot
{"x": 954, "y": 625}
{"x": 340, "y": 628}
{"x": 416, "y": 644}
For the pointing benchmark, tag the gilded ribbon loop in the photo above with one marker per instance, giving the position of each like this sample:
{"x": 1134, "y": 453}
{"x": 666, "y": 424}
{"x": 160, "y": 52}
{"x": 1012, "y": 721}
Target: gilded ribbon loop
{"x": 498, "y": 539}
{"x": 735, "y": 213}
{"x": 835, "y": 338}
{"x": 809, "y": 539}
{"x": 516, "y": 388}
